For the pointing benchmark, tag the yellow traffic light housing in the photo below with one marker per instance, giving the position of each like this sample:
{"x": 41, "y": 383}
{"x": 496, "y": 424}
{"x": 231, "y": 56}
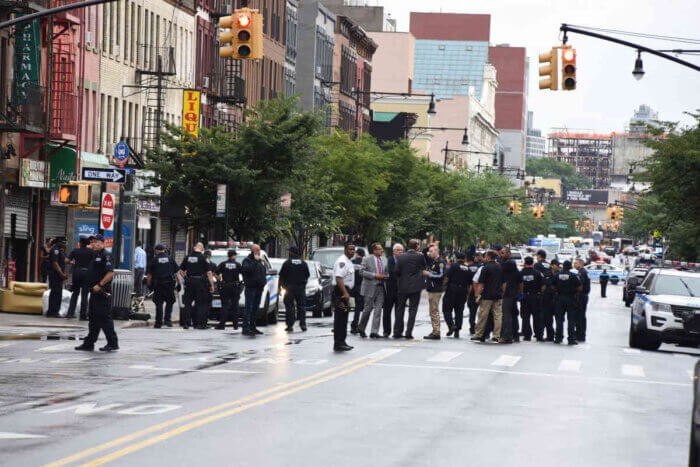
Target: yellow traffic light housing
{"x": 613, "y": 213}
{"x": 568, "y": 69}
{"x": 518, "y": 208}
{"x": 245, "y": 35}
{"x": 550, "y": 71}
{"x": 620, "y": 213}
{"x": 75, "y": 194}
{"x": 511, "y": 208}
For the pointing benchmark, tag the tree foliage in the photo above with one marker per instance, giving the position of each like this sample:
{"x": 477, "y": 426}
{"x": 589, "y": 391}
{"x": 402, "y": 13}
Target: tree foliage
{"x": 551, "y": 168}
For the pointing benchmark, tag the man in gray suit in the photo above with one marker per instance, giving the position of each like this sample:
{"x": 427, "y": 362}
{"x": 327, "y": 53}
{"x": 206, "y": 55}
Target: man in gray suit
{"x": 374, "y": 275}
{"x": 410, "y": 271}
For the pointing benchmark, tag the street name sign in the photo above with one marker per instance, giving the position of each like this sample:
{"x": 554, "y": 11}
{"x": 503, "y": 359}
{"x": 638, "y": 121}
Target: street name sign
{"x": 558, "y": 226}
{"x": 104, "y": 174}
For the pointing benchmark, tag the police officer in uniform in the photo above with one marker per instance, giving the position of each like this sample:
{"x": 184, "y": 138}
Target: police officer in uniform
{"x": 547, "y": 303}
{"x": 160, "y": 276}
{"x": 229, "y": 273}
{"x": 474, "y": 264}
{"x": 458, "y": 284}
{"x": 603, "y": 279}
{"x": 198, "y": 284}
{"x": 293, "y": 277}
{"x": 533, "y": 284}
{"x": 343, "y": 283}
{"x": 582, "y": 300}
{"x": 99, "y": 279}
{"x": 80, "y": 258}
{"x": 566, "y": 284}
{"x": 57, "y": 260}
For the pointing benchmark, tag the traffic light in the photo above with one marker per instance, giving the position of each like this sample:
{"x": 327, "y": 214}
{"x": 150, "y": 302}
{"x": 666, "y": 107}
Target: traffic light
{"x": 550, "y": 72}
{"x": 538, "y": 211}
{"x": 518, "y": 208}
{"x": 620, "y": 213}
{"x": 541, "y": 211}
{"x": 568, "y": 69}
{"x": 587, "y": 224}
{"x": 245, "y": 35}
{"x": 75, "y": 194}
{"x": 613, "y": 213}
{"x": 576, "y": 224}
{"x": 511, "y": 208}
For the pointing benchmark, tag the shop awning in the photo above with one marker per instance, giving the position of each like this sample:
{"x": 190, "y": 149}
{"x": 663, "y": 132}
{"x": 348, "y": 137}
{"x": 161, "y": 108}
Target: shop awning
{"x": 90, "y": 159}
{"x": 384, "y": 116}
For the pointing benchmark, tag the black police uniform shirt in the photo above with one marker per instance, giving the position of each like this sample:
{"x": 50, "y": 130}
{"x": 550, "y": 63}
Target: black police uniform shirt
{"x": 437, "y": 275}
{"x": 511, "y": 277}
{"x": 59, "y": 257}
{"x": 491, "y": 276}
{"x": 294, "y": 273}
{"x": 532, "y": 280}
{"x": 585, "y": 280}
{"x": 82, "y": 257}
{"x": 195, "y": 265}
{"x": 459, "y": 276}
{"x": 229, "y": 271}
{"x": 162, "y": 267}
{"x": 566, "y": 282}
{"x": 100, "y": 265}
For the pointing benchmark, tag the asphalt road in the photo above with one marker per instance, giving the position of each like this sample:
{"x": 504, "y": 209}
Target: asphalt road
{"x": 174, "y": 397}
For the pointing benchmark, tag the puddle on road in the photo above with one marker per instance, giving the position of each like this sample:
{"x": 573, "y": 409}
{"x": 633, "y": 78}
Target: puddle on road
{"x": 40, "y": 337}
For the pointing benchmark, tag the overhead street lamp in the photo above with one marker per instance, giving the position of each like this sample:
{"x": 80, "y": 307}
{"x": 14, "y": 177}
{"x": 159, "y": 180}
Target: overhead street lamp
{"x": 638, "y": 71}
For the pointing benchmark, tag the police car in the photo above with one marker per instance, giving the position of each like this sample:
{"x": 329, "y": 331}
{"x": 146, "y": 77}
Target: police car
{"x": 319, "y": 289}
{"x": 666, "y": 308}
{"x": 595, "y": 269}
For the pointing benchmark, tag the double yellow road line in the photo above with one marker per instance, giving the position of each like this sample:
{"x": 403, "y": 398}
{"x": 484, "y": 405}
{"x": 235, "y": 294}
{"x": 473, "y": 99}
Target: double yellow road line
{"x": 134, "y": 442}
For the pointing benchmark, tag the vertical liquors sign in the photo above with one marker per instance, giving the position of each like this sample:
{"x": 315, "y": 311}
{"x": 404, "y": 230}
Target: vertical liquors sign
{"x": 26, "y": 69}
{"x": 190, "y": 111}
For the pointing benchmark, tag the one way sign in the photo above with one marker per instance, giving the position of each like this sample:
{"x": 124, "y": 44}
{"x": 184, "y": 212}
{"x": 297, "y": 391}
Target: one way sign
{"x": 103, "y": 174}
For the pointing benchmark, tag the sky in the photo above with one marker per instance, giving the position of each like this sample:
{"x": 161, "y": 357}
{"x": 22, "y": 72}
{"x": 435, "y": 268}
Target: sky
{"x": 606, "y": 94}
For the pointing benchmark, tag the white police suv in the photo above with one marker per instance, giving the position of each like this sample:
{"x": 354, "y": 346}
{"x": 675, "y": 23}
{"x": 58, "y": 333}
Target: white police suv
{"x": 666, "y": 308}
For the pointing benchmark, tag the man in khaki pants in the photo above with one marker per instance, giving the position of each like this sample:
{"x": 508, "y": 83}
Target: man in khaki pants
{"x": 436, "y": 277}
{"x": 489, "y": 287}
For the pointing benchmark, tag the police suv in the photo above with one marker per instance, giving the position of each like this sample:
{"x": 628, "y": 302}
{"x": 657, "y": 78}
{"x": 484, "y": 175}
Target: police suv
{"x": 666, "y": 307}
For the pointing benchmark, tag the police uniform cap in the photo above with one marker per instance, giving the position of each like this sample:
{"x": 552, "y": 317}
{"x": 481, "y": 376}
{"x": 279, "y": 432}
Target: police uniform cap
{"x": 232, "y": 253}
{"x": 160, "y": 247}
{"x": 554, "y": 262}
{"x": 461, "y": 255}
{"x": 567, "y": 264}
{"x": 529, "y": 260}
{"x": 294, "y": 249}
{"x": 542, "y": 253}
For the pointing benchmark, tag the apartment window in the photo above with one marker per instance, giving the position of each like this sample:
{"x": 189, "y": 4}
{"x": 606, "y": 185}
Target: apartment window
{"x": 125, "y": 120}
{"x": 348, "y": 71}
{"x": 118, "y": 24}
{"x": 108, "y": 126}
{"x": 139, "y": 39}
{"x": 105, "y": 28}
{"x": 366, "y": 84}
{"x": 262, "y": 78}
{"x": 115, "y": 134}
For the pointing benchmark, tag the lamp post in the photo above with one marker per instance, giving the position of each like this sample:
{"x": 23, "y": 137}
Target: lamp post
{"x": 447, "y": 149}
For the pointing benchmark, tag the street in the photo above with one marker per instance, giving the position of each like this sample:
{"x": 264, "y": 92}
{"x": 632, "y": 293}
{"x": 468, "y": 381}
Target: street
{"x": 213, "y": 397}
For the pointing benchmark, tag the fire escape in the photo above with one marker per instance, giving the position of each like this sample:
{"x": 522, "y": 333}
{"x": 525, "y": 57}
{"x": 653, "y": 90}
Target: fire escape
{"x": 155, "y": 65}
{"x": 62, "y": 69}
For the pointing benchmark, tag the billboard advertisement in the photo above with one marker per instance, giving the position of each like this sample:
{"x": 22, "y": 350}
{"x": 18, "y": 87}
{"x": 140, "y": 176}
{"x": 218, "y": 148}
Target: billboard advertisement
{"x": 587, "y": 198}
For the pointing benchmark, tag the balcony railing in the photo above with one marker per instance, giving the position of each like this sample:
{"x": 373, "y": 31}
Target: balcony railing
{"x": 28, "y": 116}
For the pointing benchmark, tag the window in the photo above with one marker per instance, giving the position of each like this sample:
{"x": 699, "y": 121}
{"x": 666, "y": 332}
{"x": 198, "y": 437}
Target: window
{"x": 105, "y": 19}
{"x": 118, "y": 23}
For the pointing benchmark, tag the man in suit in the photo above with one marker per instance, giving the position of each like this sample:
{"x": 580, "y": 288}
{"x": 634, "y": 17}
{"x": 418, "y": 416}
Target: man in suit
{"x": 359, "y": 299}
{"x": 411, "y": 272}
{"x": 392, "y": 286}
{"x": 374, "y": 276}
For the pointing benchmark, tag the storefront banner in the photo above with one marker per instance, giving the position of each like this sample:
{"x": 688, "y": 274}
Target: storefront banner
{"x": 32, "y": 174}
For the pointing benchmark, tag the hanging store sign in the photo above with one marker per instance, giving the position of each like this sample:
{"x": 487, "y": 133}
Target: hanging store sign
{"x": 33, "y": 174}
{"x": 63, "y": 162}
{"x": 26, "y": 60}
{"x": 220, "y": 200}
{"x": 149, "y": 205}
{"x": 190, "y": 111}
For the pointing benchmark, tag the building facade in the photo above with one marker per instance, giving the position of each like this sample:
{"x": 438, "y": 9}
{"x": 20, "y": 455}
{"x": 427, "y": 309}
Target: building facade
{"x": 628, "y": 151}
{"x": 370, "y": 18}
{"x": 642, "y": 117}
{"x": 536, "y": 144}
{"x": 590, "y": 153}
{"x": 291, "y": 28}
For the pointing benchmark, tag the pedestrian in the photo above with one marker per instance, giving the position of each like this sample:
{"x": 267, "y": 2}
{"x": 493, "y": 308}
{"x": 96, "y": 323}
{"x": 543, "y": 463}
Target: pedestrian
{"x": 357, "y": 295}
{"x": 489, "y": 294}
{"x": 80, "y": 258}
{"x": 513, "y": 290}
{"x": 548, "y": 298}
{"x": 57, "y": 260}
{"x": 458, "y": 282}
{"x": 436, "y": 287}
{"x": 582, "y": 300}
{"x": 343, "y": 283}
{"x": 255, "y": 279}
{"x": 533, "y": 285}
{"x": 210, "y": 293}
{"x": 198, "y": 280}
{"x": 139, "y": 268}
{"x": 392, "y": 286}
{"x": 160, "y": 276}
{"x": 603, "y": 279}
{"x": 229, "y": 274}
{"x": 410, "y": 272}
{"x": 566, "y": 285}
{"x": 100, "y": 273}
{"x": 44, "y": 257}
{"x": 374, "y": 278}
{"x": 475, "y": 262}
{"x": 293, "y": 277}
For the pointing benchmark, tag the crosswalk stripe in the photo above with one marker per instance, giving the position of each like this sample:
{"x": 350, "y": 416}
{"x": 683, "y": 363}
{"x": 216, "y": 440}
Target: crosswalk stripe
{"x": 6, "y": 344}
{"x": 506, "y": 360}
{"x": 570, "y": 365}
{"x": 384, "y": 353}
{"x": 444, "y": 356}
{"x": 631, "y": 350}
{"x": 633, "y": 370}
{"x": 54, "y": 348}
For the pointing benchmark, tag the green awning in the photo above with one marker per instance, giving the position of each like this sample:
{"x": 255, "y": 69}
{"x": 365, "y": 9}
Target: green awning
{"x": 384, "y": 116}
{"x": 90, "y": 159}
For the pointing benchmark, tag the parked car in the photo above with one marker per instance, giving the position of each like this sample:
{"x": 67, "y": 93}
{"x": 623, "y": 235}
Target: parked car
{"x": 327, "y": 256}
{"x": 319, "y": 288}
{"x": 616, "y": 274}
{"x": 597, "y": 256}
{"x": 566, "y": 255}
{"x": 634, "y": 280}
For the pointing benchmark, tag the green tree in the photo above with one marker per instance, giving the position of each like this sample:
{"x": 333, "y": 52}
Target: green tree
{"x": 552, "y": 168}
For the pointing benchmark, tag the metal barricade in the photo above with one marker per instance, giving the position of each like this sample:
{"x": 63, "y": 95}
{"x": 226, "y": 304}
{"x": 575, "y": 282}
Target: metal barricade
{"x": 122, "y": 288}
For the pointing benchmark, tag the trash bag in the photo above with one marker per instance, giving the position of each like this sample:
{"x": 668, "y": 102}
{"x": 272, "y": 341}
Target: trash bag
{"x": 65, "y": 303}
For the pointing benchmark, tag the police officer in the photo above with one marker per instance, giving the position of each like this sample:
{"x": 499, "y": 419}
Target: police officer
{"x": 57, "y": 260}
{"x": 458, "y": 284}
{"x": 566, "y": 285}
{"x": 533, "y": 284}
{"x": 582, "y": 300}
{"x": 343, "y": 283}
{"x": 603, "y": 279}
{"x": 99, "y": 280}
{"x": 229, "y": 273}
{"x": 198, "y": 284}
{"x": 80, "y": 258}
{"x": 547, "y": 303}
{"x": 293, "y": 277}
{"x": 210, "y": 293}
{"x": 160, "y": 275}
{"x": 474, "y": 264}
{"x": 359, "y": 299}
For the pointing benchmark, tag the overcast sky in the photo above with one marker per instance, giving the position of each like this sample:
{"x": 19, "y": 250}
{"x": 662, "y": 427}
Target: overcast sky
{"x": 607, "y": 94}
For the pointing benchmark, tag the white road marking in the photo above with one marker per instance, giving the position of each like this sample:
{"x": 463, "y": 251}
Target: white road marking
{"x": 526, "y": 373}
{"x": 55, "y": 348}
{"x": 631, "y": 350}
{"x": 6, "y": 435}
{"x": 6, "y": 344}
{"x": 506, "y": 360}
{"x": 691, "y": 374}
{"x": 570, "y": 365}
{"x": 442, "y": 357}
{"x": 383, "y": 353}
{"x": 633, "y": 370}
{"x": 153, "y": 368}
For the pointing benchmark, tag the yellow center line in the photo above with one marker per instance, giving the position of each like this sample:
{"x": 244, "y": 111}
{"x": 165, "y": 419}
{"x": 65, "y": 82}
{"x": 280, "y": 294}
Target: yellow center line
{"x": 125, "y": 439}
{"x": 203, "y": 421}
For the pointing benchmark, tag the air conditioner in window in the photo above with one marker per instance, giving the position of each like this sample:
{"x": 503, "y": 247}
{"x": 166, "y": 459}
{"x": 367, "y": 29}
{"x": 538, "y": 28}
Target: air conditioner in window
{"x": 116, "y": 50}
{"x": 318, "y": 70}
{"x": 88, "y": 37}
{"x": 206, "y": 82}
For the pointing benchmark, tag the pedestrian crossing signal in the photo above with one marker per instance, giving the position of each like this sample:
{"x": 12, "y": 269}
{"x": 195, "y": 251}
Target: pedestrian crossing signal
{"x": 75, "y": 194}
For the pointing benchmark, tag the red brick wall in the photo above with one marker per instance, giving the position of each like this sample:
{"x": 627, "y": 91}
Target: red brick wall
{"x": 510, "y": 96}
{"x": 450, "y": 26}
